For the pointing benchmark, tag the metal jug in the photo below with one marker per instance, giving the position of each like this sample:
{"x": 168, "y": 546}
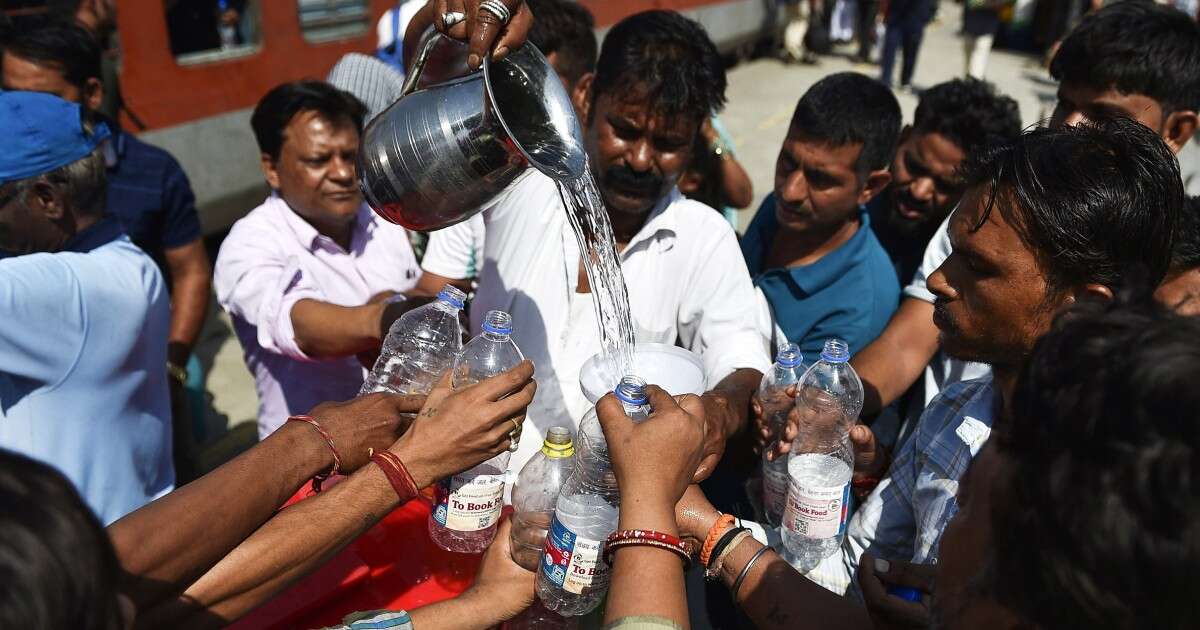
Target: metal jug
{"x": 439, "y": 154}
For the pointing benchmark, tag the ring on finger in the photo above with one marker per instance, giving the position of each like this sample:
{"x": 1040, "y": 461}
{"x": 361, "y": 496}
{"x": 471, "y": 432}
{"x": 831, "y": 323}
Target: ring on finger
{"x": 514, "y": 436}
{"x": 496, "y": 8}
{"x": 451, "y": 18}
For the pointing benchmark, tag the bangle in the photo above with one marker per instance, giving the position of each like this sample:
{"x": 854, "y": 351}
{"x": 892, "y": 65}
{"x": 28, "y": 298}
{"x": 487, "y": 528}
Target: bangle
{"x": 397, "y": 475}
{"x": 737, "y": 584}
{"x": 723, "y": 524}
{"x": 179, "y": 374}
{"x": 648, "y": 538}
{"x": 320, "y": 478}
{"x": 727, "y": 542}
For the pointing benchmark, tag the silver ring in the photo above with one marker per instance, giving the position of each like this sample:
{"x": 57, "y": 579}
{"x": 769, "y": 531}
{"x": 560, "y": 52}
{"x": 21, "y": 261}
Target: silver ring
{"x": 453, "y": 17}
{"x": 497, "y": 8}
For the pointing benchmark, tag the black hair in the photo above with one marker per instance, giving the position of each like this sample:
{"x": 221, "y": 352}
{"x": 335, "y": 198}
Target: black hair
{"x": 1136, "y": 48}
{"x": 64, "y": 45}
{"x": 1098, "y": 525}
{"x": 1186, "y": 252}
{"x": 57, "y": 565}
{"x": 1096, "y": 203}
{"x": 969, "y": 113}
{"x": 851, "y": 108}
{"x": 276, "y": 110}
{"x": 566, "y": 28}
{"x": 666, "y": 57}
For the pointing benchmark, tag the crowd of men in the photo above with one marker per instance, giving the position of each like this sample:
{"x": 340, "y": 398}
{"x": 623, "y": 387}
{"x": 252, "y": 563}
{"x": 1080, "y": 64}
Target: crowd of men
{"x": 1019, "y": 304}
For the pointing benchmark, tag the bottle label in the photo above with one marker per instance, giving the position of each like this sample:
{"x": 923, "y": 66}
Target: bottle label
{"x": 775, "y": 490}
{"x": 469, "y": 503}
{"x": 816, "y": 512}
{"x": 572, "y": 563}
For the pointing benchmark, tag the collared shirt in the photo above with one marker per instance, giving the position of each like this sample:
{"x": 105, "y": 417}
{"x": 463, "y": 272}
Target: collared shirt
{"x": 149, "y": 192}
{"x": 904, "y": 517}
{"x": 83, "y": 385}
{"x": 850, "y": 293}
{"x": 943, "y": 370}
{"x": 272, "y": 259}
{"x": 685, "y": 276}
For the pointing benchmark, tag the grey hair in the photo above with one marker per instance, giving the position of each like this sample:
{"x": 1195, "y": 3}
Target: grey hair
{"x": 84, "y": 183}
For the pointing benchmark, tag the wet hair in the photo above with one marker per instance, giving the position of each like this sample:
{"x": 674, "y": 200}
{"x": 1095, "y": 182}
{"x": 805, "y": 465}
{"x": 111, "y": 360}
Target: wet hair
{"x": 277, "y": 109}
{"x": 969, "y": 113}
{"x": 1136, "y": 48}
{"x": 666, "y": 57}
{"x": 1096, "y": 203}
{"x": 1099, "y": 524}
{"x": 566, "y": 28}
{"x": 56, "y": 562}
{"x": 65, "y": 46}
{"x": 850, "y": 108}
{"x": 1186, "y": 252}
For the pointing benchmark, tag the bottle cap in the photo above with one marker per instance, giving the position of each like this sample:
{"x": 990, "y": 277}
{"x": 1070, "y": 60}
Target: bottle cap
{"x": 497, "y": 323}
{"x": 835, "y": 351}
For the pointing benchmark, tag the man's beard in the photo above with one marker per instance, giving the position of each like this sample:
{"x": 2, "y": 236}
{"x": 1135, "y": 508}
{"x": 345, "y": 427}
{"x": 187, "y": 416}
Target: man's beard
{"x": 930, "y": 216}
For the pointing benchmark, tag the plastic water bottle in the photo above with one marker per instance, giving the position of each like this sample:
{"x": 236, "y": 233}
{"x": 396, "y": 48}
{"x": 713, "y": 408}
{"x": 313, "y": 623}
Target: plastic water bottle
{"x": 467, "y": 511}
{"x": 420, "y": 346}
{"x": 538, "y": 617}
{"x": 574, "y": 577}
{"x": 772, "y": 394}
{"x": 535, "y": 494}
{"x": 821, "y": 461}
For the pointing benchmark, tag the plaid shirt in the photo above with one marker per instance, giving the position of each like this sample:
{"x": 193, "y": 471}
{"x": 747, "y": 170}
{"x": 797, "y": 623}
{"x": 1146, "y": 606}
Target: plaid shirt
{"x": 904, "y": 517}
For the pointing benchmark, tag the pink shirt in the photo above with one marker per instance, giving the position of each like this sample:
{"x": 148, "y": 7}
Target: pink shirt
{"x": 272, "y": 259}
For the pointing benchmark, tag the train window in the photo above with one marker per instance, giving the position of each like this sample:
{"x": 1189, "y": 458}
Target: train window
{"x": 210, "y": 30}
{"x": 328, "y": 20}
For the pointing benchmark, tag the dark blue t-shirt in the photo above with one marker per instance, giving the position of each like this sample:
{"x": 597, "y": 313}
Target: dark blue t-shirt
{"x": 850, "y": 293}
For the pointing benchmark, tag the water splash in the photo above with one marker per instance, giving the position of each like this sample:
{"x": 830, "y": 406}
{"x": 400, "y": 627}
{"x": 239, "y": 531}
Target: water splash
{"x": 585, "y": 209}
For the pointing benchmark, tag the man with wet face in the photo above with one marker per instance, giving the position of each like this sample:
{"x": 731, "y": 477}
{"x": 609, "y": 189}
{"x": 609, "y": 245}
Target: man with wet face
{"x": 819, "y": 268}
{"x": 1129, "y": 59}
{"x": 953, "y": 120}
{"x": 1060, "y": 215}
{"x": 658, "y": 78}
{"x": 311, "y": 277}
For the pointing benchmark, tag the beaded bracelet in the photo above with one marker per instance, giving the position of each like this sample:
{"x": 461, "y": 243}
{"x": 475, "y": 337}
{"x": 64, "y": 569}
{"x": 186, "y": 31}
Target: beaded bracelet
{"x": 720, "y": 527}
{"x": 648, "y": 538}
{"x": 320, "y": 478}
{"x": 397, "y": 475}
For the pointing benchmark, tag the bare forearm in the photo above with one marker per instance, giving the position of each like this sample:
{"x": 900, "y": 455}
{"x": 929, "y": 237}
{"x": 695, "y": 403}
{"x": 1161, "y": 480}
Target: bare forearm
{"x": 646, "y": 581}
{"x": 167, "y": 544}
{"x": 326, "y": 330}
{"x": 739, "y": 191}
{"x": 894, "y": 361}
{"x": 469, "y": 611}
{"x": 189, "y": 305}
{"x": 774, "y": 595}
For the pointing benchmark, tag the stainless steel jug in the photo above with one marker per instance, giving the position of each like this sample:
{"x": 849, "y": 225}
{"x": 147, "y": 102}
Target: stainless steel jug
{"x": 439, "y": 154}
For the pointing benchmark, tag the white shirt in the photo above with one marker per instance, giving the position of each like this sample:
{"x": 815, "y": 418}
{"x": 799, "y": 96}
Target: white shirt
{"x": 942, "y": 370}
{"x": 684, "y": 271}
{"x": 456, "y": 253}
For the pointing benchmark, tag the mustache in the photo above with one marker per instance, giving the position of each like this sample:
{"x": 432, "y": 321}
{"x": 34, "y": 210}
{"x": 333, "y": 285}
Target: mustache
{"x": 627, "y": 178}
{"x": 903, "y": 196}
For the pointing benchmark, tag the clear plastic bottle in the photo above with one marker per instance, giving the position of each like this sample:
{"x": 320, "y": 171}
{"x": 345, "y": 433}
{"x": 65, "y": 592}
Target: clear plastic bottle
{"x": 538, "y": 617}
{"x": 772, "y": 395}
{"x": 467, "y": 511}
{"x": 535, "y": 494}
{"x": 573, "y": 577}
{"x": 821, "y": 461}
{"x": 420, "y": 346}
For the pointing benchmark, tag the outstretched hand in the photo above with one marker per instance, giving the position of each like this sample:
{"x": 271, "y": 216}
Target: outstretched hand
{"x": 870, "y": 460}
{"x": 373, "y": 421}
{"x": 482, "y": 29}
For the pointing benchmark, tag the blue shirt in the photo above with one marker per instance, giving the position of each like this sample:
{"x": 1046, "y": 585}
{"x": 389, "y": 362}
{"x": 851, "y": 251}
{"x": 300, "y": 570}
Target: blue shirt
{"x": 850, "y": 293}
{"x": 83, "y": 385}
{"x": 150, "y": 194}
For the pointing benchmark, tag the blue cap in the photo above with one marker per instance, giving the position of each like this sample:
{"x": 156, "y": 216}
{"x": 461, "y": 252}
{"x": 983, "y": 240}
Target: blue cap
{"x": 42, "y": 132}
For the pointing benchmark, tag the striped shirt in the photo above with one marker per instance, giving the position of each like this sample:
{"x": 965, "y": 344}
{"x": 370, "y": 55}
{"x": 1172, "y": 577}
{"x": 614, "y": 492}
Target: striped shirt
{"x": 904, "y": 517}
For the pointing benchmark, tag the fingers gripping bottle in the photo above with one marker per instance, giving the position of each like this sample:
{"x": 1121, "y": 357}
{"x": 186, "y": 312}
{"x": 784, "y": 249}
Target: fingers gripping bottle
{"x": 821, "y": 461}
{"x": 420, "y": 346}
{"x": 573, "y": 577}
{"x": 535, "y": 495}
{"x": 467, "y": 511}
{"x": 772, "y": 395}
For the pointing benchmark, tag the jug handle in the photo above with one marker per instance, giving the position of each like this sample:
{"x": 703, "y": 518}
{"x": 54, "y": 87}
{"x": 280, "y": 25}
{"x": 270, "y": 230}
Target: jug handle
{"x": 428, "y": 40}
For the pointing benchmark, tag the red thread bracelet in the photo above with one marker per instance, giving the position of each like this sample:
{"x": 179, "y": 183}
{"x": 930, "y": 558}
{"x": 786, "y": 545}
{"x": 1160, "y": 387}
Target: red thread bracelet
{"x": 648, "y": 538}
{"x": 320, "y": 478}
{"x": 397, "y": 475}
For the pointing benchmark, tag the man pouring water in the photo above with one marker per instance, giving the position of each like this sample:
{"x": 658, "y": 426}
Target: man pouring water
{"x": 658, "y": 78}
